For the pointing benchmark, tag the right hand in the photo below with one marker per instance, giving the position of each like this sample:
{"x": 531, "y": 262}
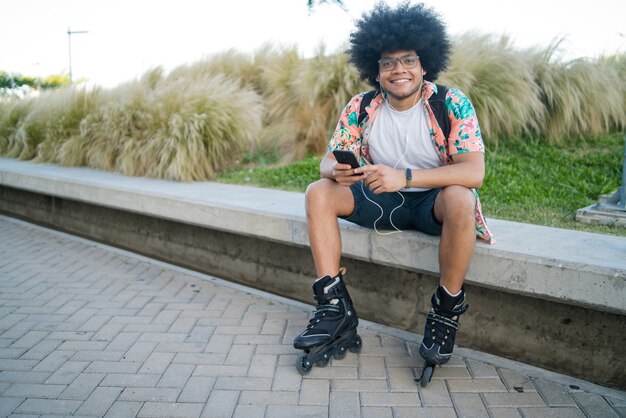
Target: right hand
{"x": 344, "y": 175}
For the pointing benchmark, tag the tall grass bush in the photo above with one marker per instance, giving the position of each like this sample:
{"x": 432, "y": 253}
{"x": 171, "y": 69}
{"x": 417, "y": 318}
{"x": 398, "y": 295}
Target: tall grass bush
{"x": 249, "y": 70}
{"x": 179, "y": 127}
{"x": 233, "y": 64}
{"x": 269, "y": 72}
{"x": 45, "y": 122}
{"x": 176, "y": 127}
{"x": 581, "y": 97}
{"x": 111, "y": 137}
{"x": 202, "y": 127}
{"x": 499, "y": 82}
{"x": 307, "y": 97}
{"x": 14, "y": 111}
{"x": 280, "y": 125}
{"x": 201, "y": 118}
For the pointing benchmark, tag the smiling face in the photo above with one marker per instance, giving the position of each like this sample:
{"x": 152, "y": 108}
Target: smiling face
{"x": 403, "y": 85}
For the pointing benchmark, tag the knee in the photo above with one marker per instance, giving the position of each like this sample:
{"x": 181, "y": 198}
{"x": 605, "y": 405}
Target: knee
{"x": 318, "y": 194}
{"x": 459, "y": 203}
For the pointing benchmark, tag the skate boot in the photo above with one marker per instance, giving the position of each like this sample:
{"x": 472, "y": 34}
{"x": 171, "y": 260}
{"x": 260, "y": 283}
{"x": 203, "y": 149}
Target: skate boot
{"x": 440, "y": 331}
{"x": 332, "y": 330}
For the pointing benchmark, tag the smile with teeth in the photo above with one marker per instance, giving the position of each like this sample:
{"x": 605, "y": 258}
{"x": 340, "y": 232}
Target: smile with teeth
{"x": 401, "y": 81}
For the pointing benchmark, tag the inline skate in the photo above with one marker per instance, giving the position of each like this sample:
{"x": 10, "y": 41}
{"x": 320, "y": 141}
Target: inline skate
{"x": 440, "y": 331}
{"x": 332, "y": 330}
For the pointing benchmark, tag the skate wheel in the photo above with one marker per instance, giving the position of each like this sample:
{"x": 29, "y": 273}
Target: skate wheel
{"x": 340, "y": 354}
{"x": 303, "y": 365}
{"x": 323, "y": 362}
{"x": 357, "y": 344}
{"x": 427, "y": 374}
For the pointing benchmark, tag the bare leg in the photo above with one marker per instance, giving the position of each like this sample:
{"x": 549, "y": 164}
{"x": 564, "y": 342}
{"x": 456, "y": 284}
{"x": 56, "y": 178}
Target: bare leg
{"x": 325, "y": 201}
{"x": 454, "y": 208}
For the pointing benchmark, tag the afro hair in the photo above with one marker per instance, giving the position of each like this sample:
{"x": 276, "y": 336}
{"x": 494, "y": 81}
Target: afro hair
{"x": 407, "y": 27}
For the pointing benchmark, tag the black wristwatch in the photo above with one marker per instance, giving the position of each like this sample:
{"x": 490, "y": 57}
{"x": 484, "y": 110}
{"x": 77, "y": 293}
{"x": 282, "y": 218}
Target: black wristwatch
{"x": 409, "y": 177}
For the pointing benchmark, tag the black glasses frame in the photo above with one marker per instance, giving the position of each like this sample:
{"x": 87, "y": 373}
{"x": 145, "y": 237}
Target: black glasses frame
{"x": 388, "y": 64}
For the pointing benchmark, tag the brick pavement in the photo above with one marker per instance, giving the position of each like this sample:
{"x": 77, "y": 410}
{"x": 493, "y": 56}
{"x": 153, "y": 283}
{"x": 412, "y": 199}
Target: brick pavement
{"x": 87, "y": 330}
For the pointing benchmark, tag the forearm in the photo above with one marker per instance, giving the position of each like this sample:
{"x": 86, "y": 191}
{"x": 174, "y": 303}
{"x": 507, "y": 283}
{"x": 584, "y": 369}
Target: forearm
{"x": 468, "y": 171}
{"x": 446, "y": 176}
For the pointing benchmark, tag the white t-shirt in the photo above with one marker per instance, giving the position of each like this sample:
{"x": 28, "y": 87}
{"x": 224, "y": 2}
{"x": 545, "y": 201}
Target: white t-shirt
{"x": 402, "y": 140}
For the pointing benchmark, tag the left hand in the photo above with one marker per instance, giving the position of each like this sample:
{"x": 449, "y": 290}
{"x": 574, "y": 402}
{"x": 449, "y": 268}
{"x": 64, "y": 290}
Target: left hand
{"x": 381, "y": 178}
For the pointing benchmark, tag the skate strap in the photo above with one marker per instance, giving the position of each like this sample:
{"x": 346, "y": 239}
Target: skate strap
{"x": 320, "y": 311}
{"x": 326, "y": 308}
{"x": 432, "y": 316}
{"x": 336, "y": 292}
{"x": 450, "y": 312}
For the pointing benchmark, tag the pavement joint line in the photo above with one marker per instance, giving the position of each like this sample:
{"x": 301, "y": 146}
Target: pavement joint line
{"x": 526, "y": 369}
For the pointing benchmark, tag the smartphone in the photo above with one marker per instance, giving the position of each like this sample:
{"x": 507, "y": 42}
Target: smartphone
{"x": 346, "y": 157}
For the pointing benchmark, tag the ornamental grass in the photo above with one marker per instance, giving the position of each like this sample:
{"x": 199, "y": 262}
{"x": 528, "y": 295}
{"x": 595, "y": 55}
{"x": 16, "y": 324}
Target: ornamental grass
{"x": 201, "y": 119}
{"x": 500, "y": 84}
{"x": 35, "y": 128}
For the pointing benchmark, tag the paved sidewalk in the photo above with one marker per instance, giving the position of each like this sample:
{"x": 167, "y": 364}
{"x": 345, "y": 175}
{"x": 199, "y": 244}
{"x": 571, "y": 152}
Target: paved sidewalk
{"x": 89, "y": 330}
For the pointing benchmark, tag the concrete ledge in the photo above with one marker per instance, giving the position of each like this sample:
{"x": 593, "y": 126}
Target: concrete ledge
{"x": 577, "y": 268}
{"x": 533, "y": 297}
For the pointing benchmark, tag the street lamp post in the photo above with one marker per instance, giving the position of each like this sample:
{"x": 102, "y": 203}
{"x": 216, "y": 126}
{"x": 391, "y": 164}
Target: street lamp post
{"x": 69, "y": 44}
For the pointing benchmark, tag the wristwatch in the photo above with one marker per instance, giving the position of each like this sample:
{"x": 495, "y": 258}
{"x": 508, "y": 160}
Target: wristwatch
{"x": 409, "y": 177}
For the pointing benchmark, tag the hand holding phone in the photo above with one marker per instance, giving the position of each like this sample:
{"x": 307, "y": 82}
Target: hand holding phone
{"x": 346, "y": 157}
{"x": 346, "y": 176}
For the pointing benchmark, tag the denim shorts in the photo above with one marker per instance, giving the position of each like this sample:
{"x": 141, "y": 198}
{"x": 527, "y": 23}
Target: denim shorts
{"x": 416, "y": 213}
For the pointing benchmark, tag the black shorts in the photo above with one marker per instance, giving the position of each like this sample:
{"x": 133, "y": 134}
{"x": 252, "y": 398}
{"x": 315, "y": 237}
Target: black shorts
{"x": 416, "y": 213}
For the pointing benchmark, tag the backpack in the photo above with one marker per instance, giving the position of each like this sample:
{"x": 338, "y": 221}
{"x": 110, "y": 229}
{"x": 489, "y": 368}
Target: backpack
{"x": 437, "y": 104}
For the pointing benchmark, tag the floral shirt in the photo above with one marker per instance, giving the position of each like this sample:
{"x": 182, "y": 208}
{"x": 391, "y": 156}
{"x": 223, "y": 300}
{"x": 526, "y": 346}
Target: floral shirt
{"x": 464, "y": 135}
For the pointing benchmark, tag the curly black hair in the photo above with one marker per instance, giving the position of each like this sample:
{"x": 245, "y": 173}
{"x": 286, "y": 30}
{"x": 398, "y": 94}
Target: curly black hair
{"x": 407, "y": 27}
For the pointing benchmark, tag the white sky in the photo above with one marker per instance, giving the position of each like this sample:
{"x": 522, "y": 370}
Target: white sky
{"x": 127, "y": 37}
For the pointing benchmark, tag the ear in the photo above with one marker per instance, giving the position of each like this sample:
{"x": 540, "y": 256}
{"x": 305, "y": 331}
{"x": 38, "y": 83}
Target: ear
{"x": 377, "y": 79}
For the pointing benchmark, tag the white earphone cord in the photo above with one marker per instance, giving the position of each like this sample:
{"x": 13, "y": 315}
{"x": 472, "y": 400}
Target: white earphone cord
{"x": 406, "y": 149}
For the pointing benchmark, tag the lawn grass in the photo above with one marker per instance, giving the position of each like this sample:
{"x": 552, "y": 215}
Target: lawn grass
{"x": 532, "y": 182}
{"x": 527, "y": 180}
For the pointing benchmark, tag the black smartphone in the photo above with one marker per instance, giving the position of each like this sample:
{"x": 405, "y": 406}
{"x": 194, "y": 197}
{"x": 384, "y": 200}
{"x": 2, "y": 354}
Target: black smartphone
{"x": 346, "y": 157}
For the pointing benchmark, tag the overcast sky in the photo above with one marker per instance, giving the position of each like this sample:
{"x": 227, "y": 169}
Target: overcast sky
{"x": 127, "y": 37}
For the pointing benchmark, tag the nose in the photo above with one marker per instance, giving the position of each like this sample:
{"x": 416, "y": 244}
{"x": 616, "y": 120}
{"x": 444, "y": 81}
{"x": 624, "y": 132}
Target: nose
{"x": 398, "y": 65}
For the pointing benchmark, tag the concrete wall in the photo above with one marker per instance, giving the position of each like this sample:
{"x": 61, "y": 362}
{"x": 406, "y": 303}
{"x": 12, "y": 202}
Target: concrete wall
{"x": 579, "y": 341}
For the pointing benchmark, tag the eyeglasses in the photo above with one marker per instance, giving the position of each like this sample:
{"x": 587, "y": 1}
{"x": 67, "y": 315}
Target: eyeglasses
{"x": 407, "y": 61}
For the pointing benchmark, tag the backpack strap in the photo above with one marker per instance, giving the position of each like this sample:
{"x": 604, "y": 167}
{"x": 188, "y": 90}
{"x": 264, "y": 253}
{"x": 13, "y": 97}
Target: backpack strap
{"x": 367, "y": 99}
{"x": 438, "y": 105}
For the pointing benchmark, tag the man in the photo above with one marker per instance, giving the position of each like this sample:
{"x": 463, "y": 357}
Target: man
{"x": 410, "y": 177}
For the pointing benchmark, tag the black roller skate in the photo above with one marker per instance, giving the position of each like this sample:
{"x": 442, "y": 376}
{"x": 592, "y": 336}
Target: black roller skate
{"x": 440, "y": 331}
{"x": 332, "y": 330}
